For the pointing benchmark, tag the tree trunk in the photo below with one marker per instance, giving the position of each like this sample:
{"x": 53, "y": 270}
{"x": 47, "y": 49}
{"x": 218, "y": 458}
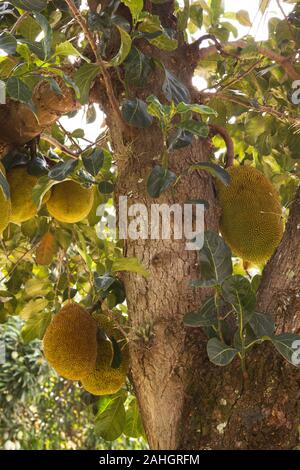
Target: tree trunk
{"x": 162, "y": 364}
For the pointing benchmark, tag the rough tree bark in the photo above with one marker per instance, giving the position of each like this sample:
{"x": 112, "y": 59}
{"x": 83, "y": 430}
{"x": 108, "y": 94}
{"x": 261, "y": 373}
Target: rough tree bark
{"x": 185, "y": 401}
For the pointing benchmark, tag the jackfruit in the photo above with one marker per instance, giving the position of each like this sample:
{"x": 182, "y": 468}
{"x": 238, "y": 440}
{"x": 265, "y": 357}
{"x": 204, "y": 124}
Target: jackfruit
{"x": 21, "y": 186}
{"x": 251, "y": 221}
{"x": 70, "y": 342}
{"x": 5, "y": 206}
{"x": 104, "y": 379}
{"x": 70, "y": 202}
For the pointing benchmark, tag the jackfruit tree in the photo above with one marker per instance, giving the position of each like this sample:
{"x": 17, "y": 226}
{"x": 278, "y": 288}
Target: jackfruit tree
{"x": 190, "y": 348}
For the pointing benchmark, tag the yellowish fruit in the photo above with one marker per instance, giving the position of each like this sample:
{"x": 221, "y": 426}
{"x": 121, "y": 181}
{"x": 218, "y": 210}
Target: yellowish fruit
{"x": 5, "y": 206}
{"x": 21, "y": 186}
{"x": 70, "y": 342}
{"x": 251, "y": 221}
{"x": 70, "y": 202}
{"x": 104, "y": 379}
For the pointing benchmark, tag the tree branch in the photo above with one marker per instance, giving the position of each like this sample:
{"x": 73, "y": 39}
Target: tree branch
{"x": 215, "y": 129}
{"x": 284, "y": 62}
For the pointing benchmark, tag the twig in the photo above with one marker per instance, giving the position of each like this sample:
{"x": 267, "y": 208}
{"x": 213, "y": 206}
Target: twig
{"x": 215, "y": 129}
{"x": 56, "y": 143}
{"x": 64, "y": 148}
{"x": 69, "y": 135}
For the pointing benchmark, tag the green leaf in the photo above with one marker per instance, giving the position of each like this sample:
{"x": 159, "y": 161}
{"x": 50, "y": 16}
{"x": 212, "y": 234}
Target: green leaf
{"x": 37, "y": 288}
{"x": 215, "y": 260}
{"x": 254, "y": 127}
{"x": 195, "y": 108}
{"x": 180, "y": 140}
{"x": 157, "y": 109}
{"x": 43, "y": 185}
{"x": 238, "y": 292}
{"x": 4, "y": 185}
{"x": 198, "y": 128}
{"x": 151, "y": 24}
{"x": 135, "y": 113}
{"x": 243, "y": 18}
{"x": 137, "y": 68}
{"x": 288, "y": 345}
{"x": 117, "y": 354}
{"x": 84, "y": 78}
{"x": 30, "y": 5}
{"x": 38, "y": 166}
{"x": 110, "y": 423}
{"x": 48, "y": 35}
{"x": 93, "y": 162}
{"x": 60, "y": 171}
{"x": 135, "y": 7}
{"x": 18, "y": 90}
{"x": 29, "y": 28}
{"x": 219, "y": 353}
{"x": 196, "y": 15}
{"x": 183, "y": 16}
{"x": 36, "y": 326}
{"x": 124, "y": 48}
{"x": 33, "y": 307}
{"x": 174, "y": 89}
{"x": 262, "y": 325}
{"x": 134, "y": 426}
{"x": 103, "y": 283}
{"x": 65, "y": 49}
{"x": 204, "y": 317}
{"x": 216, "y": 9}
{"x": 130, "y": 264}
{"x": 160, "y": 180}
{"x": 105, "y": 187}
{"x": 8, "y": 43}
{"x": 215, "y": 170}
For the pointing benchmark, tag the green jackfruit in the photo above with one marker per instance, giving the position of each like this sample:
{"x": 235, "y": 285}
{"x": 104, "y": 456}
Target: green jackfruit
{"x": 70, "y": 202}
{"x": 104, "y": 379}
{"x": 21, "y": 186}
{"x": 70, "y": 342}
{"x": 251, "y": 221}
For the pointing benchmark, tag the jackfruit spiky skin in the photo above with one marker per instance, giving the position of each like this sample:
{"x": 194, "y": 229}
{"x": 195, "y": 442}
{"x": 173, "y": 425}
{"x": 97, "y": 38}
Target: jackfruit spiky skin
{"x": 70, "y": 202}
{"x": 21, "y": 185}
{"x": 70, "y": 342}
{"x": 251, "y": 221}
{"x": 5, "y": 206}
{"x": 104, "y": 379}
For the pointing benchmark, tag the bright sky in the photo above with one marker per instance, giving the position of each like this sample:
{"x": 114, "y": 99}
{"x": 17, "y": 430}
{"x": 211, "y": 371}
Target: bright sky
{"x": 259, "y": 30}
